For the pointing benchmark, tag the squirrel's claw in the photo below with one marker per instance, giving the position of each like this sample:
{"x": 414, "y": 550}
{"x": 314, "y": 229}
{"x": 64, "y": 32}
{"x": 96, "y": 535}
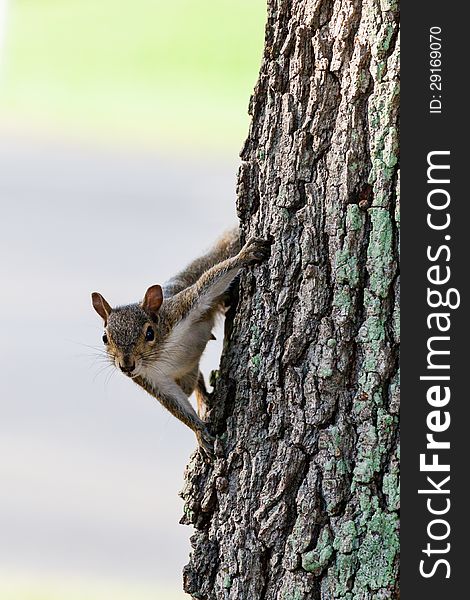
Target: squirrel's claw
{"x": 255, "y": 250}
{"x": 206, "y": 443}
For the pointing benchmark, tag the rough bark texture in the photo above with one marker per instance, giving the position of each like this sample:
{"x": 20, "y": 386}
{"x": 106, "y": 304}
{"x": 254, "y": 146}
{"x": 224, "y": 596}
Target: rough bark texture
{"x": 302, "y": 501}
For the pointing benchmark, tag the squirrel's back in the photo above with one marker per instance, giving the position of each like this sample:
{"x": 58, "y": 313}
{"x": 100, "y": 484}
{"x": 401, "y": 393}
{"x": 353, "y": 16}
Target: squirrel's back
{"x": 226, "y": 246}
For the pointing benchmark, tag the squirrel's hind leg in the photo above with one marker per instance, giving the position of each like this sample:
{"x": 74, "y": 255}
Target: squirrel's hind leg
{"x": 202, "y": 397}
{"x": 194, "y": 382}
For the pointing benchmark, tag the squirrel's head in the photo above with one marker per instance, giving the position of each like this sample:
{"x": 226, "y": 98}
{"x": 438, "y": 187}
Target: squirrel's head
{"x": 129, "y": 331}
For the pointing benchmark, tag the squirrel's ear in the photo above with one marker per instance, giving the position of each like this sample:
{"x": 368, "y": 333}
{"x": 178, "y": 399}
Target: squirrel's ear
{"x": 101, "y": 306}
{"x": 153, "y": 299}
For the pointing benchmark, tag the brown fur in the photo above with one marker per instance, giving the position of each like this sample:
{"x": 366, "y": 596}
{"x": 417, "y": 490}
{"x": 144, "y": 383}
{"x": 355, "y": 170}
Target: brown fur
{"x": 226, "y": 246}
{"x": 167, "y": 364}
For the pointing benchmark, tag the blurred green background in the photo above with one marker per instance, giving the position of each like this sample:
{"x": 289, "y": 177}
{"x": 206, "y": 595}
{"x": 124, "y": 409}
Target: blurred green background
{"x": 168, "y": 84}
{"x": 165, "y": 73}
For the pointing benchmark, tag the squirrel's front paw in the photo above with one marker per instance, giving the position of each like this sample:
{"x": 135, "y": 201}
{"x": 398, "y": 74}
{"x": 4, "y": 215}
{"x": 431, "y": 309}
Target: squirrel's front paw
{"x": 254, "y": 251}
{"x": 206, "y": 443}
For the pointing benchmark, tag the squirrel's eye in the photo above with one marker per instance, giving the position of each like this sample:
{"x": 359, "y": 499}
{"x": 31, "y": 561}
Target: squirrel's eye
{"x": 149, "y": 334}
{"x": 105, "y": 338}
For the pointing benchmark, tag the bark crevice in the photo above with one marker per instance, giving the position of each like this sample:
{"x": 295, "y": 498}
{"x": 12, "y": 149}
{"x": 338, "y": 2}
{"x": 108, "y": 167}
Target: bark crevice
{"x": 302, "y": 500}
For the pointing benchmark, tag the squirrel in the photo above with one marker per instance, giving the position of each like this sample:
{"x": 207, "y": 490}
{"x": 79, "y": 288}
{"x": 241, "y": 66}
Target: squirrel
{"x": 159, "y": 341}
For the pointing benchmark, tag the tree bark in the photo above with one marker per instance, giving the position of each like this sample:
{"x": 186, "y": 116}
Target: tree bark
{"x": 302, "y": 500}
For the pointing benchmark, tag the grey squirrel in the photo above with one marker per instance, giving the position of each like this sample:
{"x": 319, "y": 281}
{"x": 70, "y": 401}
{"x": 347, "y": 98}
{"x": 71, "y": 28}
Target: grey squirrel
{"x": 159, "y": 342}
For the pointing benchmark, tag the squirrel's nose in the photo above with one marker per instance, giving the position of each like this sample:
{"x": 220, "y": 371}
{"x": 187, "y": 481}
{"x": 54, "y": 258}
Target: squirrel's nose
{"x": 127, "y": 368}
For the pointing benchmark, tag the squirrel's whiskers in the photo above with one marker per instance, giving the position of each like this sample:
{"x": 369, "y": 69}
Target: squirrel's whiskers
{"x": 159, "y": 342}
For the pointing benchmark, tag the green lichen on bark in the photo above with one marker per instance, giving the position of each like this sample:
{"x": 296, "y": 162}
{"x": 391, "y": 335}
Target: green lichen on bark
{"x": 380, "y": 259}
{"x": 307, "y": 398}
{"x": 391, "y": 490}
{"x": 315, "y": 561}
{"x": 378, "y": 552}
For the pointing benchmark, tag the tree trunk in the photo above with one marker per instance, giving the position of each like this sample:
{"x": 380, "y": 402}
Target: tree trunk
{"x": 302, "y": 500}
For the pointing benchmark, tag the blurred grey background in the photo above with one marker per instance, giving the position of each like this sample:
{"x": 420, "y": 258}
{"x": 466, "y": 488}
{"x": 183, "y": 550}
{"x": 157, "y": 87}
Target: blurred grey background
{"x": 119, "y": 137}
{"x": 91, "y": 466}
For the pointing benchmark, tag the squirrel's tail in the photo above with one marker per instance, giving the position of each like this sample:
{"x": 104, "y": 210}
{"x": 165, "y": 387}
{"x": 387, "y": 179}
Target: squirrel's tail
{"x": 227, "y": 246}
